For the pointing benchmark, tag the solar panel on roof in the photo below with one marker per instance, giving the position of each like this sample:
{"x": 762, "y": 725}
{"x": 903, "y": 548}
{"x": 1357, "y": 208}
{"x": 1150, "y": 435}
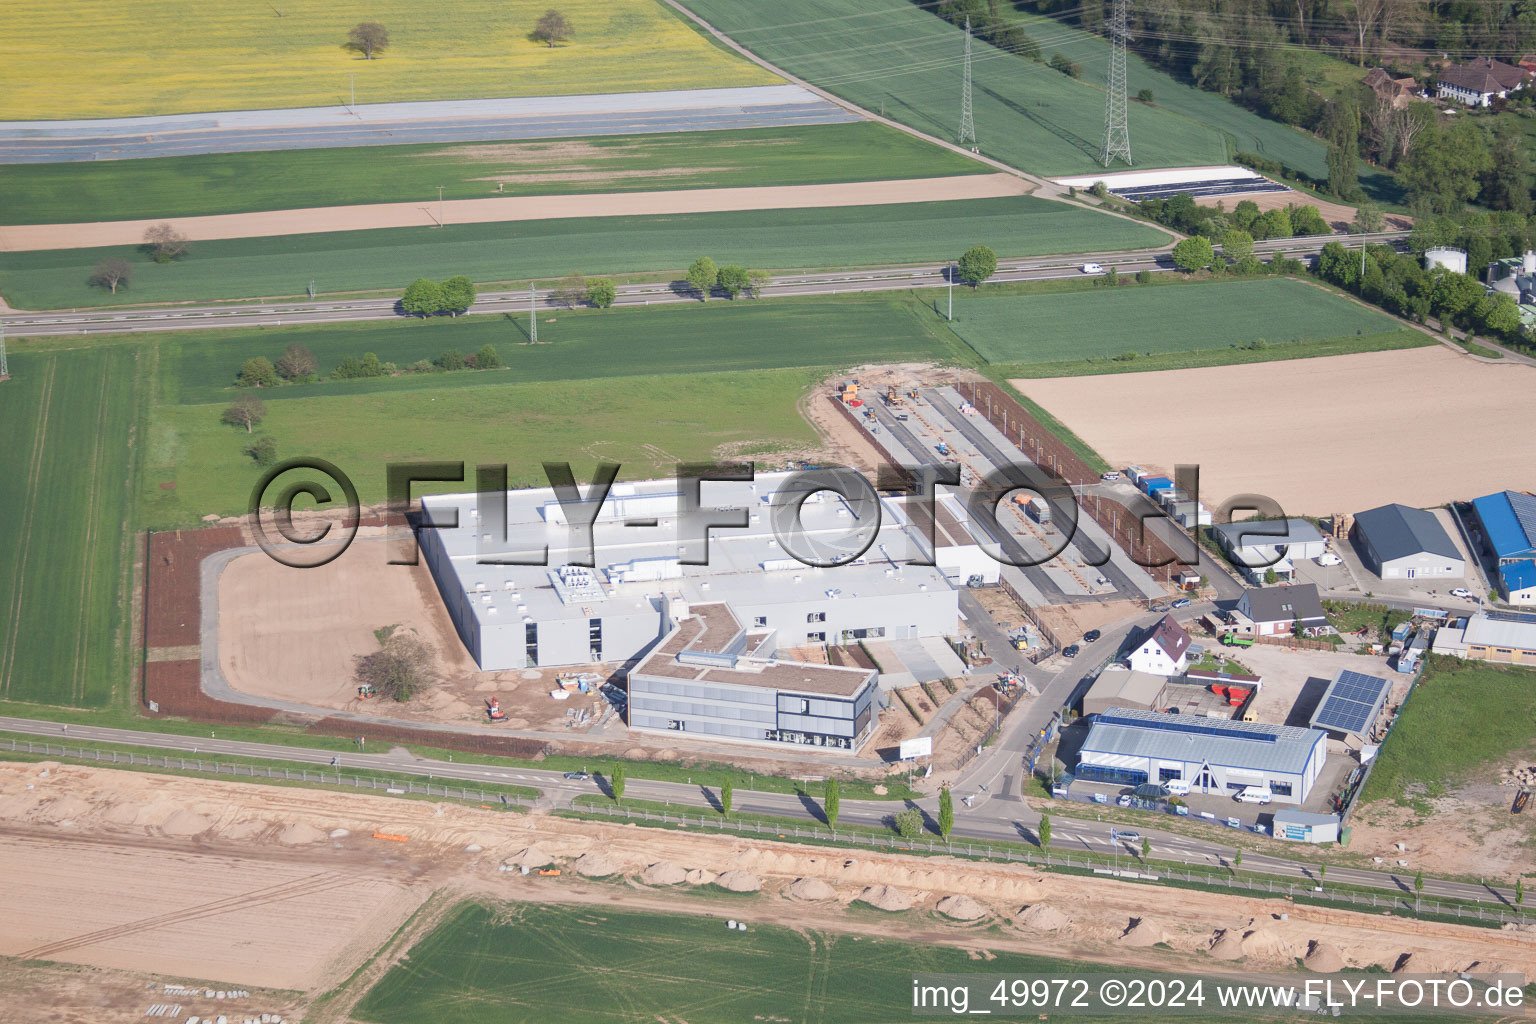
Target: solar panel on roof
{"x": 1350, "y": 702}
{"x": 1524, "y": 507}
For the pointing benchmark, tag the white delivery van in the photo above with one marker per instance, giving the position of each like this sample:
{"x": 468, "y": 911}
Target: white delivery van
{"x": 1177, "y": 787}
{"x": 1254, "y": 795}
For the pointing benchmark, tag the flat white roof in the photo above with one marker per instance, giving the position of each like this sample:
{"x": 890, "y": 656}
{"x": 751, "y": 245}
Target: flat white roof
{"x": 1166, "y": 176}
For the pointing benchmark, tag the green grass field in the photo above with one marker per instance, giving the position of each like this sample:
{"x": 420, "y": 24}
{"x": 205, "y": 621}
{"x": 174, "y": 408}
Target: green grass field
{"x": 241, "y": 182}
{"x": 69, "y": 422}
{"x": 1149, "y": 320}
{"x": 1431, "y": 749}
{"x": 112, "y": 60}
{"x": 891, "y": 55}
{"x": 388, "y": 259}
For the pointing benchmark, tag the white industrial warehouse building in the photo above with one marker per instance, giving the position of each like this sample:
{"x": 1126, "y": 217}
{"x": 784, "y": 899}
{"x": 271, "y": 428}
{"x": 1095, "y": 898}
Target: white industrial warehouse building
{"x": 513, "y": 616}
{"x": 1397, "y": 542}
{"x": 1214, "y": 756}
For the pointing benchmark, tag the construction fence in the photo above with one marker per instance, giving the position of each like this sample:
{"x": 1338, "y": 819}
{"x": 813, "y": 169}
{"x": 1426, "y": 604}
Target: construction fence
{"x": 1166, "y": 874}
{"x": 319, "y": 777}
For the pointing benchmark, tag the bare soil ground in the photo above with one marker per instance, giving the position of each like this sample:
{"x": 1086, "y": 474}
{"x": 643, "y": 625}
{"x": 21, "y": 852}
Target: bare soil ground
{"x": 1338, "y": 216}
{"x": 252, "y": 836}
{"x": 847, "y": 444}
{"x": 1469, "y": 831}
{"x": 26, "y": 238}
{"x": 1348, "y": 412}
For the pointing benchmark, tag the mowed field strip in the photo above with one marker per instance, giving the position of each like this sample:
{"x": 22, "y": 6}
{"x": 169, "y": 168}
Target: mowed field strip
{"x": 223, "y": 55}
{"x": 39, "y": 237}
{"x": 1340, "y": 434}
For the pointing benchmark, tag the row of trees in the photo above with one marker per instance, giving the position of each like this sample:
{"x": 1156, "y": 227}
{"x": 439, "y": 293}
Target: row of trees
{"x": 371, "y": 38}
{"x": 1184, "y": 215}
{"x": 425, "y": 297}
{"x": 704, "y": 276}
{"x": 1398, "y": 283}
{"x": 297, "y": 365}
{"x": 574, "y": 290}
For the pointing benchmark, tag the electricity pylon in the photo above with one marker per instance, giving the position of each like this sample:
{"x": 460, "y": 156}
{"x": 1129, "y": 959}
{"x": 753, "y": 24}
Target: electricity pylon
{"x": 1117, "y": 128}
{"x": 967, "y": 126}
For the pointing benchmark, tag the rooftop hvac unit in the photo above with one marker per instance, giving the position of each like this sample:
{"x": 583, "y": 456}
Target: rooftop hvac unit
{"x": 510, "y": 584}
{"x": 485, "y": 598}
{"x": 480, "y": 586}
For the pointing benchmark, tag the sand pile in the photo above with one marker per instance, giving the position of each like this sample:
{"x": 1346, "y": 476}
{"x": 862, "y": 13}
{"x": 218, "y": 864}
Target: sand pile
{"x": 244, "y": 829}
{"x": 664, "y": 872}
{"x": 700, "y": 876}
{"x": 595, "y": 865}
{"x": 185, "y": 823}
{"x": 884, "y": 897}
{"x": 1041, "y": 917}
{"x": 67, "y": 809}
{"x": 300, "y": 834}
{"x": 529, "y": 857}
{"x": 739, "y": 881}
{"x": 1226, "y": 945}
{"x": 961, "y": 908}
{"x": 1268, "y": 944}
{"x": 1324, "y": 957}
{"x": 810, "y": 889}
{"x": 1488, "y": 969}
{"x": 340, "y": 833}
{"x": 1143, "y": 932}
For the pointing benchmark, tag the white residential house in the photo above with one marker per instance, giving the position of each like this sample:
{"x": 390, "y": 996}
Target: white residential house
{"x": 1279, "y": 611}
{"x": 1164, "y": 651}
{"x": 1479, "y": 82}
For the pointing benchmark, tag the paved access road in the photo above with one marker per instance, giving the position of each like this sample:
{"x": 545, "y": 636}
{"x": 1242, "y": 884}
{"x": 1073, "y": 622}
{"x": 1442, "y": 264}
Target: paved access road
{"x": 324, "y": 311}
{"x": 996, "y": 819}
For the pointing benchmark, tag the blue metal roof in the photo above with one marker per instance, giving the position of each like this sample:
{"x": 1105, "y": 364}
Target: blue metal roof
{"x": 1253, "y": 745}
{"x": 1518, "y": 576}
{"x": 1509, "y": 522}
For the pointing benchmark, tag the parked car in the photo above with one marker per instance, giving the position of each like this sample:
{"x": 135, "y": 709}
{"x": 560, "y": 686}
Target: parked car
{"x": 1124, "y": 801}
{"x": 1159, "y": 607}
{"x": 1182, "y": 602}
{"x": 1176, "y": 787}
{"x": 1329, "y": 558}
{"x": 1092, "y": 268}
{"x": 1111, "y": 476}
{"x": 1463, "y": 593}
{"x": 1254, "y": 795}
{"x": 578, "y": 776}
{"x": 1092, "y": 636}
{"x": 1070, "y": 651}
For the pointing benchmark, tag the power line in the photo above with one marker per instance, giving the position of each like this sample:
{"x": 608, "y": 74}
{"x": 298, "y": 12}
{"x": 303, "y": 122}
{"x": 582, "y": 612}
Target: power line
{"x": 967, "y": 127}
{"x": 1117, "y": 125}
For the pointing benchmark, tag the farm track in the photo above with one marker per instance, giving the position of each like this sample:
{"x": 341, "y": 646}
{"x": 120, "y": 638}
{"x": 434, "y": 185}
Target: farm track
{"x": 92, "y": 522}
{"x": 18, "y": 582}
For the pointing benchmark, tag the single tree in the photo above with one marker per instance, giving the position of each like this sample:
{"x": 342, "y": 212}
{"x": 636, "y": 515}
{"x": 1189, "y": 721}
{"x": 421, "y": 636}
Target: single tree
{"x": 1322, "y": 873}
{"x": 1145, "y": 95}
{"x": 1271, "y": 577}
{"x": 487, "y": 358}
{"x": 727, "y": 797}
{"x": 263, "y": 450}
{"x": 733, "y": 280}
{"x": 601, "y": 293}
{"x": 1043, "y": 832}
{"x": 458, "y": 294}
{"x": 164, "y": 243}
{"x": 757, "y": 280}
{"x": 450, "y": 359}
{"x": 553, "y": 27}
{"x": 111, "y": 272}
{"x": 248, "y": 412}
{"x": 1418, "y": 890}
{"x": 1236, "y": 245}
{"x": 1519, "y": 892}
{"x": 401, "y": 666}
{"x": 257, "y": 372}
{"x": 831, "y": 803}
{"x": 702, "y": 276}
{"x": 1193, "y": 253}
{"x": 616, "y": 783}
{"x": 571, "y": 291}
{"x": 1146, "y": 847}
{"x": 369, "y": 366}
{"x": 422, "y": 298}
{"x": 1237, "y": 862}
{"x": 368, "y": 38}
{"x": 909, "y": 823}
{"x": 946, "y": 812}
{"x": 977, "y": 264}
{"x": 296, "y": 362}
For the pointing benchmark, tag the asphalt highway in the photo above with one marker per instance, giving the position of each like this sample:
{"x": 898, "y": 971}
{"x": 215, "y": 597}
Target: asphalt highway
{"x": 997, "y": 819}
{"x": 831, "y": 282}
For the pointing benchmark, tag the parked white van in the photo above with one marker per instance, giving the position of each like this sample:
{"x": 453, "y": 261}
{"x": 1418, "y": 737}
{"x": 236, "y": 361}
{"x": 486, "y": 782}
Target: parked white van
{"x": 1177, "y": 787}
{"x": 1254, "y": 795}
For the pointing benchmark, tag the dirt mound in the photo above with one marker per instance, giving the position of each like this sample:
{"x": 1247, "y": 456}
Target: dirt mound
{"x": 1324, "y": 957}
{"x": 300, "y": 834}
{"x": 884, "y": 897}
{"x": 1227, "y": 945}
{"x": 664, "y": 872}
{"x": 529, "y": 857}
{"x": 247, "y": 829}
{"x": 739, "y": 881}
{"x": 961, "y": 908}
{"x": 185, "y": 823}
{"x": 1143, "y": 931}
{"x": 595, "y": 865}
{"x": 1489, "y": 968}
{"x": 1041, "y": 917}
{"x": 1267, "y": 944}
{"x": 810, "y": 889}
{"x": 700, "y": 876}
{"x": 340, "y": 833}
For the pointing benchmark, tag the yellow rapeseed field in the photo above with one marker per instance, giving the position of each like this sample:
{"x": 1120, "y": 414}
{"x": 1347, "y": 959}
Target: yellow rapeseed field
{"x": 115, "y": 58}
